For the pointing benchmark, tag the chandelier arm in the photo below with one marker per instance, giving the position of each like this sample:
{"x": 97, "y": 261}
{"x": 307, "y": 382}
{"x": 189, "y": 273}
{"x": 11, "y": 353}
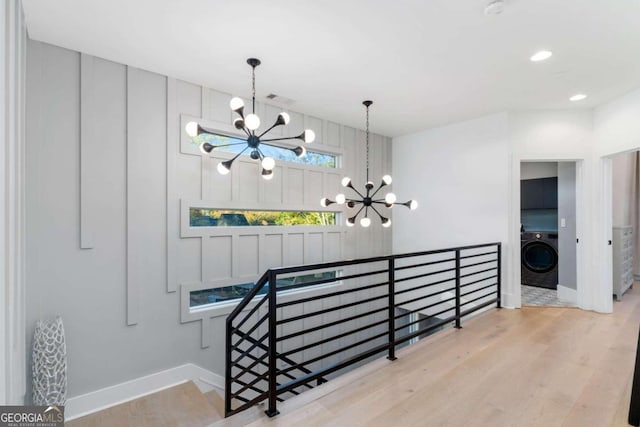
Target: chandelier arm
{"x": 379, "y": 201}
{"x": 279, "y": 139}
{"x": 376, "y": 211}
{"x": 229, "y": 145}
{"x": 358, "y": 213}
{"x": 266, "y": 131}
{"x": 238, "y": 155}
{"x": 246, "y": 130}
{"x": 359, "y": 193}
{"x": 376, "y": 192}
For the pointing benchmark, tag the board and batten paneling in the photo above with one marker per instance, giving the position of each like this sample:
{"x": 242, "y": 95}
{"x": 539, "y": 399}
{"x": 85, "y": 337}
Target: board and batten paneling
{"x": 109, "y": 175}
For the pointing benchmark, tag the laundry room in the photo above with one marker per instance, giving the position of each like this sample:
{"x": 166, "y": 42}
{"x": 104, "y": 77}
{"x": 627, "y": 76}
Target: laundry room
{"x": 548, "y": 233}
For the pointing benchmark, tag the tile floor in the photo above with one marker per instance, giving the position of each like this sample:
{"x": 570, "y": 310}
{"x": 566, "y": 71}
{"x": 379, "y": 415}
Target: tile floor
{"x": 532, "y": 295}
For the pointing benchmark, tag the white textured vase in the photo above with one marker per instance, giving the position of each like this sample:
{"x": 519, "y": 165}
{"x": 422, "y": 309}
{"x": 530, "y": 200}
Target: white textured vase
{"x": 49, "y": 367}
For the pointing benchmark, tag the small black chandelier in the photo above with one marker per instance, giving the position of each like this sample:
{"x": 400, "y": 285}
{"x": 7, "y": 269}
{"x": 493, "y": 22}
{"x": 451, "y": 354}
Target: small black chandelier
{"x": 368, "y": 201}
{"x": 249, "y": 124}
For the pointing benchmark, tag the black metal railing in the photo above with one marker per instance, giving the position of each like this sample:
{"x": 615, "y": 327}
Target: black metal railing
{"x": 280, "y": 341}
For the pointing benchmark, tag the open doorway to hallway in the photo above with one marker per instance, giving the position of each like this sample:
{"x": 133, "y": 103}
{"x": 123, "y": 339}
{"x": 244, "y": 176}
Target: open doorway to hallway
{"x": 548, "y": 233}
{"x": 625, "y": 215}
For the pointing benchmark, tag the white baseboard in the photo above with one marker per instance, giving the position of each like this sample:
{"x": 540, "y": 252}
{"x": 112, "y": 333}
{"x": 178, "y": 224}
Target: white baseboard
{"x": 98, "y": 400}
{"x": 567, "y": 294}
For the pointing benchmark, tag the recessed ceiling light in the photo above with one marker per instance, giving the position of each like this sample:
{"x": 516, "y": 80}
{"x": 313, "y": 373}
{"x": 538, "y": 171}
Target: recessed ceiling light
{"x": 541, "y": 56}
{"x": 578, "y": 97}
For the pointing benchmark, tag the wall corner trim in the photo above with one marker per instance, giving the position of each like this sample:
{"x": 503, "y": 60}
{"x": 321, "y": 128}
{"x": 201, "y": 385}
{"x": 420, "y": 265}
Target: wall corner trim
{"x": 107, "y": 397}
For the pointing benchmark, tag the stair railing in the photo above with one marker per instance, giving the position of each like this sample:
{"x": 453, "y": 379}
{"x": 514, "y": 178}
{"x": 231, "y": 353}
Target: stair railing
{"x": 284, "y": 337}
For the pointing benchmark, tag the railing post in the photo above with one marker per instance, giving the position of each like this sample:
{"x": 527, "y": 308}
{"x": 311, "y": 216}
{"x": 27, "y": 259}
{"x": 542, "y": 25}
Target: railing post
{"x": 227, "y": 368}
{"x": 458, "y": 326}
{"x": 499, "y": 272}
{"x": 392, "y": 309}
{"x": 272, "y": 410}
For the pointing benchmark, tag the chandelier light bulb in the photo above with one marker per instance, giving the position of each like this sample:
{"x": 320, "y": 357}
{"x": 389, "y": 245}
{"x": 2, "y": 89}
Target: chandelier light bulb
{"x": 340, "y": 199}
{"x": 413, "y": 205}
{"x": 192, "y": 129}
{"x": 346, "y": 181}
{"x": 222, "y": 169}
{"x": 206, "y": 148}
{"x": 351, "y": 222}
{"x": 252, "y": 121}
{"x": 267, "y": 175}
{"x": 324, "y": 202}
{"x": 300, "y": 151}
{"x": 285, "y": 118}
{"x": 309, "y": 136}
{"x": 390, "y": 198}
{"x": 236, "y": 103}
{"x": 238, "y": 123}
{"x": 387, "y": 179}
{"x": 365, "y": 222}
{"x": 386, "y": 222}
{"x": 268, "y": 163}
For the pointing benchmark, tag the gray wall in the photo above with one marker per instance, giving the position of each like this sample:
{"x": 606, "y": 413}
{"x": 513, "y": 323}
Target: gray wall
{"x": 567, "y": 235}
{"x": 109, "y": 170}
{"x": 622, "y": 171}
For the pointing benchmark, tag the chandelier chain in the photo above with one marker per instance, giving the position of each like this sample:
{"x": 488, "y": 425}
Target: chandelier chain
{"x": 253, "y": 88}
{"x": 367, "y": 139}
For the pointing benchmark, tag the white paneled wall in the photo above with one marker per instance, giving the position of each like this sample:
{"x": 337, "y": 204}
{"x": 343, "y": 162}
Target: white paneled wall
{"x": 110, "y": 177}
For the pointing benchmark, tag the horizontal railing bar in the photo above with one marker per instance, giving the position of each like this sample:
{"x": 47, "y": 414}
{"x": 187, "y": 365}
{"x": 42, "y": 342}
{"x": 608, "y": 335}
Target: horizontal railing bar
{"x": 331, "y": 294}
{"x": 424, "y": 264}
{"x": 248, "y": 333}
{"x": 335, "y": 337}
{"x": 340, "y": 350}
{"x": 247, "y": 298}
{"x": 330, "y": 324}
{"x": 479, "y": 289}
{"x": 477, "y": 255}
{"x": 328, "y": 265}
{"x": 428, "y": 317}
{"x": 478, "y": 307}
{"x": 479, "y": 280}
{"x": 333, "y": 279}
{"x": 415, "y": 288}
{"x": 476, "y": 299}
{"x": 478, "y": 263}
{"x": 477, "y": 272}
{"x": 419, "y": 276}
{"x": 425, "y": 330}
{"x": 252, "y": 312}
{"x": 331, "y": 369}
{"x": 251, "y": 348}
{"x": 328, "y": 310}
{"x": 424, "y": 308}
{"x": 409, "y": 301}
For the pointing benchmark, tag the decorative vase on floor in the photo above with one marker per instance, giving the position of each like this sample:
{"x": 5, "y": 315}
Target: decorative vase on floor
{"x": 49, "y": 368}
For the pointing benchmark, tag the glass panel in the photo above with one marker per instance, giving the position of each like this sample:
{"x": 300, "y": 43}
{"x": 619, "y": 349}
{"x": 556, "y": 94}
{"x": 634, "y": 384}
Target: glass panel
{"x": 227, "y": 293}
{"x": 311, "y": 158}
{"x": 202, "y": 217}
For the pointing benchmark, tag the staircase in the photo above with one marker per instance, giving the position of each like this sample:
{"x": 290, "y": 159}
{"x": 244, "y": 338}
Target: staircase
{"x": 181, "y": 405}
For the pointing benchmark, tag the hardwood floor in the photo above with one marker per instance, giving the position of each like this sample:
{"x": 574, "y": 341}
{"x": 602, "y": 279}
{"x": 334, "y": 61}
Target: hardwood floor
{"x": 530, "y": 367}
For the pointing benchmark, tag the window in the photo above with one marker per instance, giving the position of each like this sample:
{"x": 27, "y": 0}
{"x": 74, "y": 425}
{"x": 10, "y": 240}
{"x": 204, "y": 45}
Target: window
{"x": 312, "y": 158}
{"x": 232, "y": 292}
{"x": 203, "y": 217}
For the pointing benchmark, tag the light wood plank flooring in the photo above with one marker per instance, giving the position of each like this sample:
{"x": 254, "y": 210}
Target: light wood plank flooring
{"x": 537, "y": 366}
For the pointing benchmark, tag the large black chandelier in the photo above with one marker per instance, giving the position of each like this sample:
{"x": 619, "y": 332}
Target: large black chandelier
{"x": 368, "y": 201}
{"x": 249, "y": 124}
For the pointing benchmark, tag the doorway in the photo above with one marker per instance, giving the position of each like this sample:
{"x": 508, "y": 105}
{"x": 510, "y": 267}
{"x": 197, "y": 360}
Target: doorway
{"x": 548, "y": 233}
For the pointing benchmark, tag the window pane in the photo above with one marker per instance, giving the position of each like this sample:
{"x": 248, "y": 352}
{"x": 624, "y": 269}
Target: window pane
{"x": 227, "y": 293}
{"x": 311, "y": 158}
{"x": 202, "y": 217}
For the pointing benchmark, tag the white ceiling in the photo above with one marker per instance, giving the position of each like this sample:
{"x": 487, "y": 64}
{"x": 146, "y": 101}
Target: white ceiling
{"x": 423, "y": 62}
